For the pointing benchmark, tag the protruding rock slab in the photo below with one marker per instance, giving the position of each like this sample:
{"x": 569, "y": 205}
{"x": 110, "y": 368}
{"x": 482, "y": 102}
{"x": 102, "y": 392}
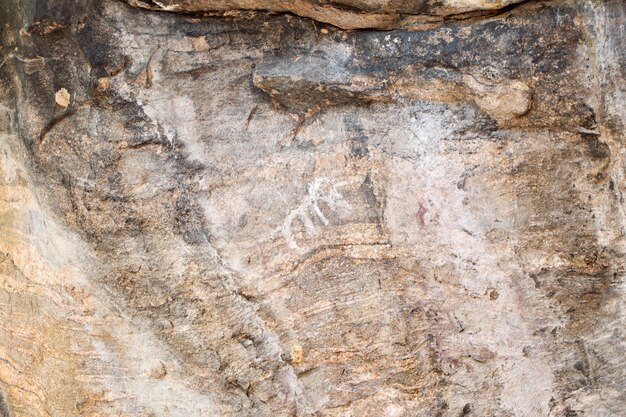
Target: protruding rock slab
{"x": 346, "y": 14}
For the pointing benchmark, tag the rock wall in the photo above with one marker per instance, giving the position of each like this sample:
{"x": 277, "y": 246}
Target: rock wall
{"x": 309, "y": 208}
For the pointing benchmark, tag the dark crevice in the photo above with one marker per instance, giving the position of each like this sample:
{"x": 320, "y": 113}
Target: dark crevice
{"x": 4, "y": 406}
{"x": 151, "y": 4}
{"x": 55, "y": 121}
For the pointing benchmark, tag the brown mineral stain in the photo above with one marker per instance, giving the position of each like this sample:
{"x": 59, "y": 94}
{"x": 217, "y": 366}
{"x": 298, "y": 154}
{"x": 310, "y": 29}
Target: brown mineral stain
{"x": 297, "y": 353}
{"x": 103, "y": 84}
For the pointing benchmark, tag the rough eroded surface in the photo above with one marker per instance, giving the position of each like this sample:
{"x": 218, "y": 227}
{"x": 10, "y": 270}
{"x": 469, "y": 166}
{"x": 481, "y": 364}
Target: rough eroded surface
{"x": 264, "y": 215}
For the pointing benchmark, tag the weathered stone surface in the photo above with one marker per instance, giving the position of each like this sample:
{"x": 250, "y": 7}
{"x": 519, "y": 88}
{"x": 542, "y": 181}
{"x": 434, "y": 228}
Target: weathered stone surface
{"x": 262, "y": 215}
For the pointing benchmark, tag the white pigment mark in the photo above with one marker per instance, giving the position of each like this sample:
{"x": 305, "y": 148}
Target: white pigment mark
{"x": 320, "y": 190}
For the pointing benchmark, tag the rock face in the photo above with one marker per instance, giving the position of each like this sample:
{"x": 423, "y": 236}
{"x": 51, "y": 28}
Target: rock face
{"x": 260, "y": 214}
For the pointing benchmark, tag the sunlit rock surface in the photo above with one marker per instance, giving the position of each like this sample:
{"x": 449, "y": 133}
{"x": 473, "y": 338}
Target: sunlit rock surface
{"x": 261, "y": 214}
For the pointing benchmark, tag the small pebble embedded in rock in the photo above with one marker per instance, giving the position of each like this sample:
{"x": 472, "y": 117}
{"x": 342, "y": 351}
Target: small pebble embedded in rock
{"x": 62, "y": 97}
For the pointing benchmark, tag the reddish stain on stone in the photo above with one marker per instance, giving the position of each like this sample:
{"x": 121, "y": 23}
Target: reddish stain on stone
{"x": 420, "y": 215}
